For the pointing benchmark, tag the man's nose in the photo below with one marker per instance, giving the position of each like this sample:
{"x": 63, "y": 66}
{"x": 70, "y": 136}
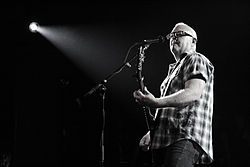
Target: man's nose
{"x": 173, "y": 40}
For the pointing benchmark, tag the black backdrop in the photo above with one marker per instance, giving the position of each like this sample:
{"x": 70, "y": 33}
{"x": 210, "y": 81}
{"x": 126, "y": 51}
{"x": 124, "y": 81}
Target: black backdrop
{"x": 43, "y": 125}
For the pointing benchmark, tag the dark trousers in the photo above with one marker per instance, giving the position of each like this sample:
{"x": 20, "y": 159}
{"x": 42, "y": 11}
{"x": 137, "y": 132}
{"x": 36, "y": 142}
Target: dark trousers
{"x": 183, "y": 153}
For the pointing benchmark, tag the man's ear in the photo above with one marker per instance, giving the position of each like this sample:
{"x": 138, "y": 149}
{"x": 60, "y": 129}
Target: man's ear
{"x": 194, "y": 40}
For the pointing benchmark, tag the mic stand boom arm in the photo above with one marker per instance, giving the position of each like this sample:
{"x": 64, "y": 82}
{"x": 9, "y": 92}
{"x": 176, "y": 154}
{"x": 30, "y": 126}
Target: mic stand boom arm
{"x": 99, "y": 85}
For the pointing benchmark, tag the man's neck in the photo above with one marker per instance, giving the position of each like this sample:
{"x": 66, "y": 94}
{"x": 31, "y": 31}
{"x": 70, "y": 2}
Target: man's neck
{"x": 181, "y": 56}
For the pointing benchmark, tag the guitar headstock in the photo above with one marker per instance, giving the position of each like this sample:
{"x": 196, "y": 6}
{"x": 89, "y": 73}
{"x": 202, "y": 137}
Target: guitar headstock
{"x": 140, "y": 61}
{"x": 141, "y": 56}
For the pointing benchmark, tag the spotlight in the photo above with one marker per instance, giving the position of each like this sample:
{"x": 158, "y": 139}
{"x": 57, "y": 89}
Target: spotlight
{"x": 34, "y": 27}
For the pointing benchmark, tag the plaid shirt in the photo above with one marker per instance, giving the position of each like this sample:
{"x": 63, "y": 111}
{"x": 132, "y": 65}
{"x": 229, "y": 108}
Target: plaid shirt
{"x": 189, "y": 121}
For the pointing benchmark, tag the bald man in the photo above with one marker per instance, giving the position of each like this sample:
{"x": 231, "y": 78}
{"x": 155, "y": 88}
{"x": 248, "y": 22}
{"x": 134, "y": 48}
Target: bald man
{"x": 182, "y": 133}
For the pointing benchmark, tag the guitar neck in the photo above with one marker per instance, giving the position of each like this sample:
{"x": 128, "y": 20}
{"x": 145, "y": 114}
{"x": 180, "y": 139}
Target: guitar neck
{"x": 140, "y": 81}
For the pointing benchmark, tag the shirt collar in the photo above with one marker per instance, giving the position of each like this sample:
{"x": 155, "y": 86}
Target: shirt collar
{"x": 182, "y": 56}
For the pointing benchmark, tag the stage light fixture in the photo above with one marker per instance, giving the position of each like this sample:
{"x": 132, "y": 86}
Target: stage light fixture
{"x": 34, "y": 26}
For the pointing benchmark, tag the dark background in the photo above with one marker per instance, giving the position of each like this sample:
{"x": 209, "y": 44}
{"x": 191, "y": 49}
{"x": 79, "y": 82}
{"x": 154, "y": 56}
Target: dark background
{"x": 43, "y": 125}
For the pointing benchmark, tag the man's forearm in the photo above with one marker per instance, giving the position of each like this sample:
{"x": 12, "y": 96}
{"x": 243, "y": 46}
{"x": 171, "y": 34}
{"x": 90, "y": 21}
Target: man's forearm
{"x": 192, "y": 91}
{"x": 179, "y": 98}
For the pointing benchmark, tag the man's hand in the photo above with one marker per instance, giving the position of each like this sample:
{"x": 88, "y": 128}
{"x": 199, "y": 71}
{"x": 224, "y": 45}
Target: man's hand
{"x": 146, "y": 99}
{"x": 145, "y": 142}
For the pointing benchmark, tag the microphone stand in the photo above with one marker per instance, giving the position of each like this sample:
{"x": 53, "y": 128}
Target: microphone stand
{"x": 102, "y": 89}
{"x": 102, "y": 93}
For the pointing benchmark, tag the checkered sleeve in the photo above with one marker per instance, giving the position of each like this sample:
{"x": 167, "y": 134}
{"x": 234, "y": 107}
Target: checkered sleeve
{"x": 195, "y": 66}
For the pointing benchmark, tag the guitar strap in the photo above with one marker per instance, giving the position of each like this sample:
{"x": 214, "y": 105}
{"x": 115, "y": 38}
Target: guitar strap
{"x": 169, "y": 78}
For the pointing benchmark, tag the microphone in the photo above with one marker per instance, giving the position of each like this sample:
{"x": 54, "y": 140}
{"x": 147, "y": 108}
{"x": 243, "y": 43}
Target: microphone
{"x": 160, "y": 39}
